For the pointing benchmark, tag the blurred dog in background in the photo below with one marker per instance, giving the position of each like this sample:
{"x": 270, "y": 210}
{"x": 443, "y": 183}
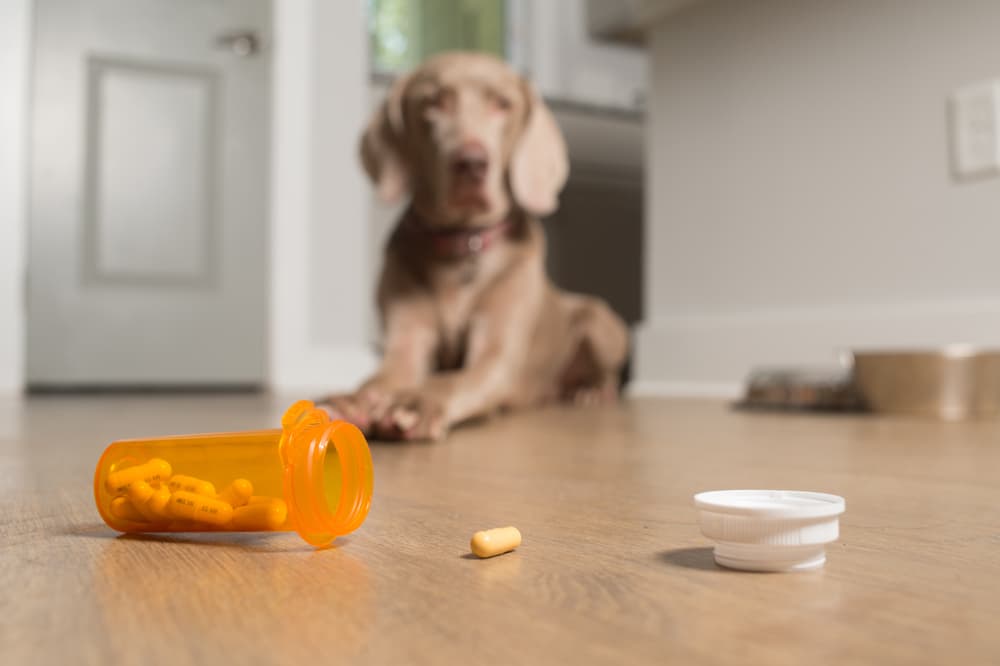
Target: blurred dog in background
{"x": 472, "y": 323}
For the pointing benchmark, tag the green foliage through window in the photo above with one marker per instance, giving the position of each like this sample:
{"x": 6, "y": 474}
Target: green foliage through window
{"x": 404, "y": 32}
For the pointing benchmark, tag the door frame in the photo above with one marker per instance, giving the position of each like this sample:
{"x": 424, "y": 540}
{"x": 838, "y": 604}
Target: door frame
{"x": 319, "y": 234}
{"x": 15, "y": 68}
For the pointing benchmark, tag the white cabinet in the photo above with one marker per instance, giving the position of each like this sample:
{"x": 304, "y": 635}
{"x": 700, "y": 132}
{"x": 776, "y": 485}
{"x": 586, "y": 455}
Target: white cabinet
{"x": 551, "y": 43}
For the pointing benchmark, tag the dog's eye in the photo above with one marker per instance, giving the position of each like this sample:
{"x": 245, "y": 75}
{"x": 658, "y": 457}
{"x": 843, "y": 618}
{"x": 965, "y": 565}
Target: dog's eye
{"x": 499, "y": 102}
{"x": 440, "y": 99}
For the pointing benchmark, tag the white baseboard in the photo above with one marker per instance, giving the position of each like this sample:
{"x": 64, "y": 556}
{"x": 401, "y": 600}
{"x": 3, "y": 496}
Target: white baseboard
{"x": 664, "y": 389}
{"x": 711, "y": 354}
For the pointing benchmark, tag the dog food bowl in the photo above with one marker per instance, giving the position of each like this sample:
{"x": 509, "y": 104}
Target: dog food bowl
{"x": 953, "y": 383}
{"x": 770, "y": 530}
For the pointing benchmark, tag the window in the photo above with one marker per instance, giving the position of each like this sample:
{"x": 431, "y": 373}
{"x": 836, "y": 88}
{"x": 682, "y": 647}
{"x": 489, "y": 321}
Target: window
{"x": 404, "y": 32}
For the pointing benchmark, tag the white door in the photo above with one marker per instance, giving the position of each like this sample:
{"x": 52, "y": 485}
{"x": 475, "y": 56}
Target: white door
{"x": 149, "y": 153}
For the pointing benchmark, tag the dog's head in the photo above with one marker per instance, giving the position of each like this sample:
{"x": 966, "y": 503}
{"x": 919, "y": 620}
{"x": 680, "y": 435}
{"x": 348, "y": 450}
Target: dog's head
{"x": 468, "y": 138}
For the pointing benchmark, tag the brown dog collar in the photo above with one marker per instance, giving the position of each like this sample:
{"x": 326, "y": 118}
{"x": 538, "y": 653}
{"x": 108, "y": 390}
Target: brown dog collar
{"x": 458, "y": 243}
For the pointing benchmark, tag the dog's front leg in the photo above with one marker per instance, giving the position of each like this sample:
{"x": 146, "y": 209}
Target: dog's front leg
{"x": 499, "y": 335}
{"x": 411, "y": 339}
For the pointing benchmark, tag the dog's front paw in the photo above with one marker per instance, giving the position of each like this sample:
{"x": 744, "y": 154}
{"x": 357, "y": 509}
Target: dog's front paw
{"x": 412, "y": 416}
{"x": 361, "y": 408}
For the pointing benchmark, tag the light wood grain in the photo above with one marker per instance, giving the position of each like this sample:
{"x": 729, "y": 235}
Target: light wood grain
{"x": 612, "y": 568}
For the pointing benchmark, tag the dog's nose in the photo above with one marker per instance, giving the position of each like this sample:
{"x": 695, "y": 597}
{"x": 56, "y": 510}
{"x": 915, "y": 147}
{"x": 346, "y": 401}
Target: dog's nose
{"x": 470, "y": 162}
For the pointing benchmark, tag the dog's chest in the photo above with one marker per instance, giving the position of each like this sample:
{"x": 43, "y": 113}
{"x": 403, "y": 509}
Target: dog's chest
{"x": 454, "y": 313}
{"x": 458, "y": 291}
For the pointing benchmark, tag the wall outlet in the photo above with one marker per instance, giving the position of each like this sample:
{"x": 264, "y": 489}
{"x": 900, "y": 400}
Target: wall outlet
{"x": 975, "y": 130}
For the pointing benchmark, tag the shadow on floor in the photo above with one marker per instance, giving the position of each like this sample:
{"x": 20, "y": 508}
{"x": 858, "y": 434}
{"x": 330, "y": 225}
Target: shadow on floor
{"x": 248, "y": 541}
{"x": 691, "y": 558}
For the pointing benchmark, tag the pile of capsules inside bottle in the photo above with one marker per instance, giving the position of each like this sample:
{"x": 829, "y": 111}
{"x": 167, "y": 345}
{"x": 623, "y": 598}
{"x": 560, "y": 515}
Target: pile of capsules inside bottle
{"x": 151, "y": 494}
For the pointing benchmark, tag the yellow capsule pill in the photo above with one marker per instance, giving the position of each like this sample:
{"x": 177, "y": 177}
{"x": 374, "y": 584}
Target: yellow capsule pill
{"x": 155, "y": 507}
{"x": 496, "y": 541}
{"x": 186, "y": 505}
{"x": 237, "y": 493}
{"x": 257, "y": 499}
{"x": 152, "y": 471}
{"x": 191, "y": 484}
{"x": 138, "y": 492}
{"x": 122, "y": 508}
{"x": 264, "y": 515}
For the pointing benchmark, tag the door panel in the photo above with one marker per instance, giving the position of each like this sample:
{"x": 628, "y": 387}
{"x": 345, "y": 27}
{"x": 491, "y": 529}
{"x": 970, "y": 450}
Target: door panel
{"x": 149, "y": 194}
{"x": 150, "y": 172}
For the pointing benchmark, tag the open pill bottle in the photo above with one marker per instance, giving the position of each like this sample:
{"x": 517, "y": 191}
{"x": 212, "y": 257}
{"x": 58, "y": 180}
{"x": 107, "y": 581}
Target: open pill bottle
{"x": 314, "y": 476}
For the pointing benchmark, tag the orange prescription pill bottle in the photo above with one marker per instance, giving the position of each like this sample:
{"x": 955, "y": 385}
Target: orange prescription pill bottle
{"x": 314, "y": 476}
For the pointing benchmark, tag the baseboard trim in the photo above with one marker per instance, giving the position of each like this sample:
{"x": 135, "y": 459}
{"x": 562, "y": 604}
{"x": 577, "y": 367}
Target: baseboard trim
{"x": 666, "y": 389}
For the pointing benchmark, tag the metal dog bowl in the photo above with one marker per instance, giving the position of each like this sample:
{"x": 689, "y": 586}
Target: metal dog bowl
{"x": 953, "y": 383}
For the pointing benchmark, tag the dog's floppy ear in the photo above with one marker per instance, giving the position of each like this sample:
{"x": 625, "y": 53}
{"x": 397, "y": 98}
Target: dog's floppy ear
{"x": 381, "y": 146}
{"x": 539, "y": 165}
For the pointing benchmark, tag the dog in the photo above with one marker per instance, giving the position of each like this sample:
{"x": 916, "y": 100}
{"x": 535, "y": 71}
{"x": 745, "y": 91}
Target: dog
{"x": 472, "y": 324}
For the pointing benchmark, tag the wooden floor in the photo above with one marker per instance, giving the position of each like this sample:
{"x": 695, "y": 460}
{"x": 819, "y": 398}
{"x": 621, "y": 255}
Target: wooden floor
{"x": 612, "y": 569}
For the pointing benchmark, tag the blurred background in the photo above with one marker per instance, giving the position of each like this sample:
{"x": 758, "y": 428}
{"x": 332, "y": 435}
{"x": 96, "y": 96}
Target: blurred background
{"x": 752, "y": 183}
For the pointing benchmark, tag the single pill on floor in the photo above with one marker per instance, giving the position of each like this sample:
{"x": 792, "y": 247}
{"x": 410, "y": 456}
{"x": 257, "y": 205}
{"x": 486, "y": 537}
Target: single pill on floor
{"x": 496, "y": 541}
{"x": 192, "y": 485}
{"x": 151, "y": 471}
{"x": 237, "y": 493}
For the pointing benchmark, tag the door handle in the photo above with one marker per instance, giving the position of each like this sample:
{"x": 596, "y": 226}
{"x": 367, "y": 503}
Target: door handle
{"x": 242, "y": 43}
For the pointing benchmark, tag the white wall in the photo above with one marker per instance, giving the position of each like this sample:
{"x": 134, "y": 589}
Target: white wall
{"x": 15, "y": 31}
{"x": 799, "y": 189}
{"x": 321, "y": 293}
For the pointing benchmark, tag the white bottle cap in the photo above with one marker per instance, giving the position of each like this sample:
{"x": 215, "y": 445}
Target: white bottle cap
{"x": 769, "y": 530}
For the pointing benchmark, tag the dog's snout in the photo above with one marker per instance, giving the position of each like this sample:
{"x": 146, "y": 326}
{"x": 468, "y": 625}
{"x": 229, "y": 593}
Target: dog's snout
{"x": 470, "y": 162}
